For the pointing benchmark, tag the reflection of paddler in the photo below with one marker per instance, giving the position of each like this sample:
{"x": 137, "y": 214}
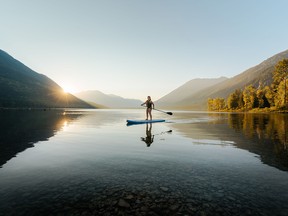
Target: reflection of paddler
{"x": 149, "y": 137}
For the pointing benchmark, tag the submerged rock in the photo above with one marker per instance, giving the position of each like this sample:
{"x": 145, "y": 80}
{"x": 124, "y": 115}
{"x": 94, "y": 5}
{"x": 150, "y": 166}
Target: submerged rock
{"x": 123, "y": 203}
{"x": 165, "y": 189}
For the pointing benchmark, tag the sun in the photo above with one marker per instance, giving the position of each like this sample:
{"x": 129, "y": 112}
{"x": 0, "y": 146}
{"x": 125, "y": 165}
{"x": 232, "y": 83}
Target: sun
{"x": 68, "y": 89}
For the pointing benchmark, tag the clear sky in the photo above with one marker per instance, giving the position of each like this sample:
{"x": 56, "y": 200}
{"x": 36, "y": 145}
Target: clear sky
{"x": 135, "y": 48}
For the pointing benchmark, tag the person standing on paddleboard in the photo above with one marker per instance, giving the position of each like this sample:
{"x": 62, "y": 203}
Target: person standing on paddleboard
{"x": 150, "y": 105}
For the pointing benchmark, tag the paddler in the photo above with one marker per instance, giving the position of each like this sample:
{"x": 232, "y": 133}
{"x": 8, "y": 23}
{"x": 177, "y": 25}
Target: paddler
{"x": 149, "y": 106}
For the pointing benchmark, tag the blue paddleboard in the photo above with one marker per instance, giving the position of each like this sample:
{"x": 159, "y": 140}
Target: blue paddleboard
{"x": 144, "y": 121}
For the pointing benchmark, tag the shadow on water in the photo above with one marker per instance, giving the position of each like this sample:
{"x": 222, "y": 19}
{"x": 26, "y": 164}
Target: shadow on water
{"x": 20, "y": 130}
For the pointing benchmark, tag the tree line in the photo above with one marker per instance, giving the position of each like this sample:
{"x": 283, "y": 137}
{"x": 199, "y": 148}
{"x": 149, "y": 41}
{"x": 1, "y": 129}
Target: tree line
{"x": 270, "y": 97}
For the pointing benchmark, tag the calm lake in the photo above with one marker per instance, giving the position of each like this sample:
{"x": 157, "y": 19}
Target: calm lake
{"x": 89, "y": 162}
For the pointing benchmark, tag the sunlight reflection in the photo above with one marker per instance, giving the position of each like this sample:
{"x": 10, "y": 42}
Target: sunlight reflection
{"x": 65, "y": 125}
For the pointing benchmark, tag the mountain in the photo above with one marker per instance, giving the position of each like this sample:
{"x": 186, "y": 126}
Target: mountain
{"x": 108, "y": 100}
{"x": 191, "y": 87}
{"x": 261, "y": 73}
{"x": 22, "y": 87}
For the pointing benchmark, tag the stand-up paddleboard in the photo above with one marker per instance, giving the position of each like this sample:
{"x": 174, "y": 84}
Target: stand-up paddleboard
{"x": 144, "y": 121}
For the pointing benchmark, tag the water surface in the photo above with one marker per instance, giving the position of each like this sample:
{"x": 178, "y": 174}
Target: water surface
{"x": 89, "y": 162}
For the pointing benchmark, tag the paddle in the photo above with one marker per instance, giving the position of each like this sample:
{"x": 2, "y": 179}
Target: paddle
{"x": 169, "y": 113}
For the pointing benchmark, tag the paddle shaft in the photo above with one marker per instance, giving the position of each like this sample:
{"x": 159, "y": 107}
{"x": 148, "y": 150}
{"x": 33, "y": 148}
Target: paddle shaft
{"x": 169, "y": 113}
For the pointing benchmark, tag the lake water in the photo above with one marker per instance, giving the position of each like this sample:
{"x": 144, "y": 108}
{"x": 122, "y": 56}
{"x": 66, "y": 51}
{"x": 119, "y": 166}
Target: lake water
{"x": 89, "y": 162}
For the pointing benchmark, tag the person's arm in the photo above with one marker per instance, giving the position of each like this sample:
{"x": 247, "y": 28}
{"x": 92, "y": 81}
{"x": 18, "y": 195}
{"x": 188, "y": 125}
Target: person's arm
{"x": 143, "y": 103}
{"x": 153, "y": 105}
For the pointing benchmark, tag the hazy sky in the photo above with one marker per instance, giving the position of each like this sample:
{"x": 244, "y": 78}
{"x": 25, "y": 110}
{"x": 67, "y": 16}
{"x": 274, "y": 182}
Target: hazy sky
{"x": 135, "y": 48}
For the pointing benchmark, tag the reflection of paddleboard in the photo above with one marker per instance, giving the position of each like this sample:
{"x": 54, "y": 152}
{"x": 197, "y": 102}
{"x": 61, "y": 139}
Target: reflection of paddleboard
{"x": 144, "y": 121}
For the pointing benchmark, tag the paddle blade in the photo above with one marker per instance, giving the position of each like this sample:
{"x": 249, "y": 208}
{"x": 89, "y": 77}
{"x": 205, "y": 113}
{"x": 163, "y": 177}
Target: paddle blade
{"x": 169, "y": 113}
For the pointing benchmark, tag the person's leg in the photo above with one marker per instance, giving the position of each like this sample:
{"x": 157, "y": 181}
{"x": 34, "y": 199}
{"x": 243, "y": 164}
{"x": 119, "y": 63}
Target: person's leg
{"x": 150, "y": 113}
{"x": 147, "y": 113}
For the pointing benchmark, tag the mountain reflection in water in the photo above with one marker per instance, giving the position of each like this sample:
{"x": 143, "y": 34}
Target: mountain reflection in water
{"x": 266, "y": 135}
{"x": 21, "y": 129}
{"x": 263, "y": 134}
